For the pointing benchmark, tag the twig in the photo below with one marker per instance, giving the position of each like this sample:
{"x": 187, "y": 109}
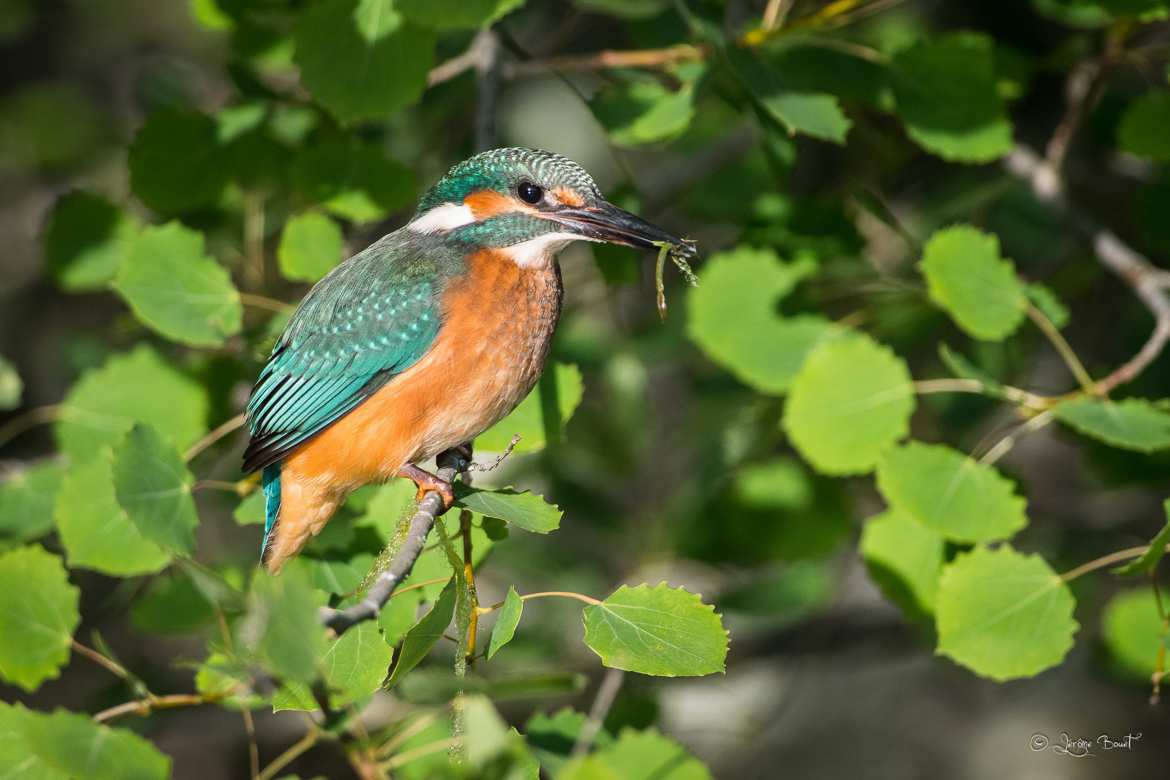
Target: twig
{"x": 1106, "y": 560}
{"x": 487, "y": 77}
{"x": 499, "y": 458}
{"x": 406, "y": 756}
{"x": 263, "y": 302}
{"x": 929, "y": 386}
{"x": 144, "y": 707}
{"x": 607, "y": 59}
{"x": 606, "y": 693}
{"x": 1058, "y": 341}
{"x": 429, "y": 508}
{"x": 1004, "y": 445}
{"x": 775, "y": 12}
{"x": 101, "y": 659}
{"x": 29, "y": 420}
{"x": 214, "y": 436}
{"x": 1133, "y": 268}
{"x": 290, "y": 755}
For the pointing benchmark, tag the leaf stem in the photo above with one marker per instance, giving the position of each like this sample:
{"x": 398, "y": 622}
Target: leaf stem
{"x": 568, "y": 594}
{"x": 103, "y": 660}
{"x": 469, "y": 575}
{"x": 1067, "y": 354}
{"x": 290, "y": 755}
{"x": 405, "y": 757}
{"x": 29, "y": 420}
{"x": 1106, "y": 560}
{"x": 264, "y": 302}
{"x": 215, "y": 435}
{"x": 144, "y": 707}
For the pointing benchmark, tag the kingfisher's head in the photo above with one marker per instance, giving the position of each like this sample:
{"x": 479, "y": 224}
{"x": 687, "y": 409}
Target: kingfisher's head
{"x": 528, "y": 203}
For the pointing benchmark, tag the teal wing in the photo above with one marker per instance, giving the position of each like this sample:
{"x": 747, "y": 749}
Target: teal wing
{"x": 370, "y": 319}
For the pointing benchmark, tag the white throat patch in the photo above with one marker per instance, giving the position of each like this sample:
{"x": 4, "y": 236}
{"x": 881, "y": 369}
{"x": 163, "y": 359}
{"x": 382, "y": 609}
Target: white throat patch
{"x": 539, "y": 251}
{"x": 440, "y": 219}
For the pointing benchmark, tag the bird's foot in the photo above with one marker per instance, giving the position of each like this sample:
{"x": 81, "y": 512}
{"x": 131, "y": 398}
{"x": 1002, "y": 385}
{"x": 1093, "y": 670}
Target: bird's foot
{"x": 426, "y": 482}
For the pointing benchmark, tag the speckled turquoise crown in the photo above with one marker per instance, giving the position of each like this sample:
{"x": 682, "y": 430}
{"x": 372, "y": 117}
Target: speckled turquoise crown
{"x": 503, "y": 169}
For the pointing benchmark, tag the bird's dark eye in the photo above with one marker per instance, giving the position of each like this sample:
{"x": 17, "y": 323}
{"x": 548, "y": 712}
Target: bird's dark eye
{"x": 530, "y": 193}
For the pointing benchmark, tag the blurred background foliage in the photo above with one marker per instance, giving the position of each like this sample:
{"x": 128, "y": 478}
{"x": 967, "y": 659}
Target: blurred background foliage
{"x": 174, "y": 174}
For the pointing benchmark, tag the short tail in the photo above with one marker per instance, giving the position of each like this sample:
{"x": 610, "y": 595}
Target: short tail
{"x": 271, "y": 482}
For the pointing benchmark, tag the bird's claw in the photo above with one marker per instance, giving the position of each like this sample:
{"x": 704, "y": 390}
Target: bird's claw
{"x": 428, "y": 483}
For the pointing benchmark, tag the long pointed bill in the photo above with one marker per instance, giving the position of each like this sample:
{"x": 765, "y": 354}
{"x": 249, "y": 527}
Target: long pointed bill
{"x": 613, "y": 225}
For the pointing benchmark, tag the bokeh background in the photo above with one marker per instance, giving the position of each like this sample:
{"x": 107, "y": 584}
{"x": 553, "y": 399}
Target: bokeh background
{"x": 670, "y": 468}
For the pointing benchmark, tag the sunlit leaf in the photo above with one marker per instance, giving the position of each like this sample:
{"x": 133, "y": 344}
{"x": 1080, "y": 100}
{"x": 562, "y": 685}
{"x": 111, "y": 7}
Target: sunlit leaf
{"x": 38, "y": 615}
{"x": 95, "y": 530}
{"x": 656, "y": 630}
{"x": 420, "y": 639}
{"x": 905, "y": 558}
{"x": 552, "y": 737}
{"x": 732, "y": 316}
{"x": 362, "y": 59}
{"x": 506, "y": 622}
{"x": 1132, "y": 630}
{"x": 815, "y": 114}
{"x": 281, "y": 625}
{"x": 1148, "y": 561}
{"x": 960, "y": 498}
{"x": 851, "y": 401}
{"x": 356, "y": 663}
{"x": 524, "y": 509}
{"x": 136, "y": 386}
{"x": 947, "y": 97}
{"x": 352, "y": 180}
{"x": 176, "y": 289}
{"x": 1133, "y": 424}
{"x": 1002, "y": 614}
{"x": 310, "y": 247}
{"x": 61, "y": 745}
{"x": 86, "y": 240}
{"x": 154, "y": 486}
{"x": 967, "y": 277}
{"x": 638, "y": 755}
{"x": 643, "y": 111}
{"x": 26, "y": 501}
{"x": 172, "y": 604}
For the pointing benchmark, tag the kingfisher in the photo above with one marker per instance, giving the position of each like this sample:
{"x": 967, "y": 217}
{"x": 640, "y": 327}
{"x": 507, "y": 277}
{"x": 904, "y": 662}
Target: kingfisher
{"x": 423, "y": 340}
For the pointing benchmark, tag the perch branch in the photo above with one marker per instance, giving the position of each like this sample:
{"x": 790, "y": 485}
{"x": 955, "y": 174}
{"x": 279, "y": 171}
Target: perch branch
{"x": 1147, "y": 281}
{"x": 144, "y": 707}
{"x": 429, "y": 508}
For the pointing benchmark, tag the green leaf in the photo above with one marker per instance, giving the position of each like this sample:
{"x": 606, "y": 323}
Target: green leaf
{"x": 362, "y": 59}
{"x": 399, "y": 615}
{"x": 356, "y": 663}
{"x": 551, "y": 737}
{"x": 1003, "y": 615}
{"x": 947, "y": 97}
{"x": 425, "y": 633}
{"x": 1143, "y": 126}
{"x": 95, "y": 531}
{"x": 176, "y": 162}
{"x": 815, "y": 114}
{"x": 172, "y": 604}
{"x": 454, "y": 14}
{"x": 339, "y": 577}
{"x": 732, "y": 316}
{"x": 250, "y": 511}
{"x": 38, "y": 615}
{"x": 154, "y": 486}
{"x": 638, "y": 755}
{"x": 177, "y": 290}
{"x": 524, "y": 510}
{"x": 1148, "y": 561}
{"x": 1133, "y": 424}
{"x": 26, "y": 502}
{"x": 527, "y": 419}
{"x": 352, "y": 180}
{"x": 487, "y": 735}
{"x": 310, "y": 247}
{"x": 656, "y": 630}
{"x": 62, "y": 745}
{"x": 962, "y": 499}
{"x": 904, "y": 558}
{"x": 137, "y": 386}
{"x": 644, "y": 111}
{"x": 506, "y": 622}
{"x": 86, "y": 240}
{"x": 1044, "y": 299}
{"x": 1132, "y": 630}
{"x": 11, "y": 386}
{"x": 851, "y": 401}
{"x": 281, "y": 626}
{"x": 978, "y": 288}
{"x": 624, "y": 9}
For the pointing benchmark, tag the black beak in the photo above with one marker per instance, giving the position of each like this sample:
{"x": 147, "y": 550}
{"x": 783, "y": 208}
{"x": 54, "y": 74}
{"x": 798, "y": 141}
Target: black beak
{"x": 606, "y": 222}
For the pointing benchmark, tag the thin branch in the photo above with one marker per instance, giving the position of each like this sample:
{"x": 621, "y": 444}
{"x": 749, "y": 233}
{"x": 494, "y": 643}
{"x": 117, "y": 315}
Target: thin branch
{"x": 929, "y": 386}
{"x": 429, "y": 508}
{"x": 290, "y": 755}
{"x": 775, "y": 12}
{"x": 214, "y": 436}
{"x": 144, "y": 707}
{"x": 29, "y": 420}
{"x": 1058, "y": 341}
{"x": 606, "y": 693}
{"x": 499, "y": 458}
{"x": 103, "y": 660}
{"x": 1134, "y": 269}
{"x": 264, "y": 302}
{"x": 1004, "y": 445}
{"x": 607, "y": 59}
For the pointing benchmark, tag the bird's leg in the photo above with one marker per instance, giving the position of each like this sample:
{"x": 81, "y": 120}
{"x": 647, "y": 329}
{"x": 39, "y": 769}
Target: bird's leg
{"x": 426, "y": 482}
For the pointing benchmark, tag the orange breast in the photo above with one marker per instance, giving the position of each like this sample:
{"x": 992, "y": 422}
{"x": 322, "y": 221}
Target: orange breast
{"x": 498, "y": 322}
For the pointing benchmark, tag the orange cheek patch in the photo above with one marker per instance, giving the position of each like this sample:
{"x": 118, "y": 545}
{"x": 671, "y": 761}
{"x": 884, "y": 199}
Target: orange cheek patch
{"x": 568, "y": 197}
{"x": 489, "y": 203}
